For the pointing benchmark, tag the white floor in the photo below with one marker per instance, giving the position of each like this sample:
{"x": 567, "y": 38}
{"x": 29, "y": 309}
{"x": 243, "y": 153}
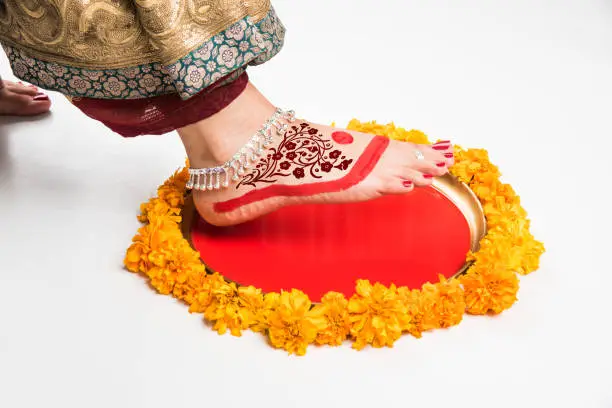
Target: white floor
{"x": 529, "y": 80}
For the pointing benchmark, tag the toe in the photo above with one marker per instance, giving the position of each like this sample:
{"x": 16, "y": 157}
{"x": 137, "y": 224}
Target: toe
{"x": 38, "y": 106}
{"x": 450, "y": 158}
{"x": 22, "y": 89}
{"x": 419, "y": 179}
{"x": 446, "y": 150}
{"x": 427, "y": 160}
{"x": 24, "y": 105}
{"x": 399, "y": 186}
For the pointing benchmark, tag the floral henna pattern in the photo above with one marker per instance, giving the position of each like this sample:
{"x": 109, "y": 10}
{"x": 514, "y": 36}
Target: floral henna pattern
{"x": 303, "y": 151}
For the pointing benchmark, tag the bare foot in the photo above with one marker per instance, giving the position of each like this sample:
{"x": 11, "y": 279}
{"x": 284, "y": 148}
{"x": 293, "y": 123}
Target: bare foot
{"x": 308, "y": 163}
{"x": 18, "y": 99}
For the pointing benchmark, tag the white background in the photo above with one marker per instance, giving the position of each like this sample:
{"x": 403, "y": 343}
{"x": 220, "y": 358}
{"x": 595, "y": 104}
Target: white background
{"x": 530, "y": 80}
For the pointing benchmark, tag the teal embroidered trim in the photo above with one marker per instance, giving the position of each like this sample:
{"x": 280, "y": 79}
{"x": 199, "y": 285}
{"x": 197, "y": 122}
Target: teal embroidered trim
{"x": 242, "y": 44}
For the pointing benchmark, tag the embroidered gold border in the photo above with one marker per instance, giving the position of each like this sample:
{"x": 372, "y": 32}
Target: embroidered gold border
{"x": 107, "y": 34}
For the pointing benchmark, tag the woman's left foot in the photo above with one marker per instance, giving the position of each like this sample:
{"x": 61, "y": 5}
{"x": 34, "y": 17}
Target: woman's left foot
{"x": 18, "y": 99}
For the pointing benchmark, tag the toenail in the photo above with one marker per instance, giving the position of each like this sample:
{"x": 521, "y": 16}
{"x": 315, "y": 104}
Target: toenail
{"x": 441, "y": 164}
{"x": 407, "y": 183}
{"x": 427, "y": 176}
{"x": 449, "y": 155}
{"x": 442, "y": 142}
{"x": 441, "y": 147}
{"x": 42, "y": 97}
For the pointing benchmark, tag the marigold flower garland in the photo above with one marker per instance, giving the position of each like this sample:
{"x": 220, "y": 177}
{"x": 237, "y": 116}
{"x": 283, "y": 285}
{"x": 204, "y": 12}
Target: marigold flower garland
{"x": 375, "y": 315}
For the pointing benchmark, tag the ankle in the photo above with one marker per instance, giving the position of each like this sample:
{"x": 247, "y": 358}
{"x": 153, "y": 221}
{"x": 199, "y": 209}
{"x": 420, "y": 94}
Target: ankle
{"x": 214, "y": 140}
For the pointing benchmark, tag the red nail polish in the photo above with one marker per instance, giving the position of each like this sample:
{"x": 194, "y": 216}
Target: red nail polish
{"x": 440, "y": 164}
{"x": 449, "y": 155}
{"x": 41, "y": 97}
{"x": 427, "y": 176}
{"x": 442, "y": 142}
{"x": 441, "y": 147}
{"x": 407, "y": 183}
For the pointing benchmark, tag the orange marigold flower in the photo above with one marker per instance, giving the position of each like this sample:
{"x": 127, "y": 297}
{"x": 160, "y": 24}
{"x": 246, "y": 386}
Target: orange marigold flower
{"x": 498, "y": 248}
{"x": 251, "y": 302}
{"x": 190, "y": 283}
{"x": 157, "y": 208}
{"x": 449, "y": 305}
{"x": 187, "y": 268}
{"x": 149, "y": 244}
{"x": 389, "y": 130}
{"x": 260, "y": 322}
{"x": 473, "y": 164}
{"x": 489, "y": 289}
{"x": 531, "y": 250}
{"x": 333, "y": 307}
{"x": 293, "y": 325}
{"x": 378, "y": 315}
{"x": 174, "y": 197}
{"x": 135, "y": 257}
{"x": 500, "y": 213}
{"x": 161, "y": 279}
{"x": 420, "y": 309}
{"x": 203, "y": 296}
{"x": 225, "y": 309}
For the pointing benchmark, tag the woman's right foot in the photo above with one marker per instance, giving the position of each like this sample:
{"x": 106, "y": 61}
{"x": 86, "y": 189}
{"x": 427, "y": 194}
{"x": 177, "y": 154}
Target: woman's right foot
{"x": 17, "y": 99}
{"x": 309, "y": 163}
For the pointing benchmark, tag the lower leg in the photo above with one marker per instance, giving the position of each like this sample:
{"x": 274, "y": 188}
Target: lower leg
{"x": 216, "y": 139}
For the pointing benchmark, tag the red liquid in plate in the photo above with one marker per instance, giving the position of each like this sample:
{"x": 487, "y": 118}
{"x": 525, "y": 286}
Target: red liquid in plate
{"x": 407, "y": 240}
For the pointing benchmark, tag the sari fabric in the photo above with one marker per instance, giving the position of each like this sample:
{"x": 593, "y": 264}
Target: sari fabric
{"x": 160, "y": 52}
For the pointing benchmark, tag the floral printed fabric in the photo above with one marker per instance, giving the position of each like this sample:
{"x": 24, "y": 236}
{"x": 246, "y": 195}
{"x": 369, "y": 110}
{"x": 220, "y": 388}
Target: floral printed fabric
{"x": 244, "y": 43}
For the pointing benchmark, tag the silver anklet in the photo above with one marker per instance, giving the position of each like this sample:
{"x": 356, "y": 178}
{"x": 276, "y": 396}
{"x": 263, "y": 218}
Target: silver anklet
{"x": 214, "y": 178}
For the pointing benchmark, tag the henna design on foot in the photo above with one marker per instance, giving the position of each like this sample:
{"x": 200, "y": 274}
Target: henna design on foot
{"x": 362, "y": 168}
{"x": 303, "y": 150}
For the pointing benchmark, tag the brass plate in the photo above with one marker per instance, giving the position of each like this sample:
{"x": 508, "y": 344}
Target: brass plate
{"x": 449, "y": 186}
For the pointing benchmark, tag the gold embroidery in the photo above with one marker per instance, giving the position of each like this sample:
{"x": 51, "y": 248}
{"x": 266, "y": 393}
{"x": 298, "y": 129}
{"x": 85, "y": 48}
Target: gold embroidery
{"x": 118, "y": 33}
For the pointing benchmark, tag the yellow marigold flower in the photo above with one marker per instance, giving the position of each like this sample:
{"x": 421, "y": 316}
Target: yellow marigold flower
{"x": 179, "y": 263}
{"x": 531, "y": 250}
{"x": 161, "y": 279}
{"x": 172, "y": 197}
{"x": 160, "y": 234}
{"x": 389, "y": 130}
{"x": 378, "y": 315}
{"x": 270, "y": 302}
{"x": 420, "y": 309}
{"x": 190, "y": 283}
{"x": 416, "y": 136}
{"x": 251, "y": 302}
{"x": 157, "y": 208}
{"x": 473, "y": 164}
{"x": 203, "y": 296}
{"x": 497, "y": 248}
{"x": 293, "y": 325}
{"x": 449, "y": 305}
{"x": 135, "y": 257}
{"x": 501, "y": 213}
{"x": 489, "y": 289}
{"x": 333, "y": 307}
{"x": 370, "y": 127}
{"x": 225, "y": 309}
